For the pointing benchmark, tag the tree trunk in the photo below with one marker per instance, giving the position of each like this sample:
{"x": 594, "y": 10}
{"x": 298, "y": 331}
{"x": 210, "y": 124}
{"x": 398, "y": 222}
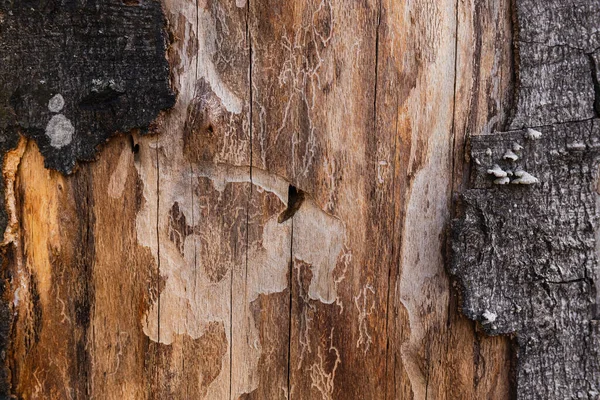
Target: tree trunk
{"x": 252, "y": 200}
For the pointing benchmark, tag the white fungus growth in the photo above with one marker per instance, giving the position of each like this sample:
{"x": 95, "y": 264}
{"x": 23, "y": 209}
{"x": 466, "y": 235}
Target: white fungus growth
{"x": 477, "y": 161}
{"x": 524, "y": 178}
{"x": 56, "y": 103}
{"x": 502, "y": 181}
{"x": 533, "y": 134}
{"x": 517, "y": 147}
{"x": 497, "y": 171}
{"x": 489, "y": 317}
{"x": 509, "y": 155}
{"x": 509, "y": 172}
{"x": 488, "y": 151}
{"x": 60, "y": 131}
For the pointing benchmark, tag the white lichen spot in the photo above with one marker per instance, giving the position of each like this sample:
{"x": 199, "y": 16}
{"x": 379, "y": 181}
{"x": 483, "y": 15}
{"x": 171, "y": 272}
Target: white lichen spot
{"x": 497, "y": 171}
{"x": 60, "y": 131}
{"x": 524, "y": 178}
{"x": 509, "y": 155}
{"x": 240, "y": 3}
{"x": 518, "y": 308}
{"x": 502, "y": 181}
{"x": 533, "y": 134}
{"x": 56, "y": 103}
{"x": 517, "y": 147}
{"x": 488, "y": 151}
{"x": 489, "y": 317}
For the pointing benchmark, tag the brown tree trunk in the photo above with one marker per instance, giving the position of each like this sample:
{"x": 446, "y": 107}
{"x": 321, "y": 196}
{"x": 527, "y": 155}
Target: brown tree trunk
{"x": 279, "y": 231}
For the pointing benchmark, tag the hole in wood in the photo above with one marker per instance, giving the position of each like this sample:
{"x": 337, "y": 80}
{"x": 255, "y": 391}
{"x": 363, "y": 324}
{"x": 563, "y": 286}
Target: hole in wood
{"x": 135, "y": 147}
{"x": 295, "y": 199}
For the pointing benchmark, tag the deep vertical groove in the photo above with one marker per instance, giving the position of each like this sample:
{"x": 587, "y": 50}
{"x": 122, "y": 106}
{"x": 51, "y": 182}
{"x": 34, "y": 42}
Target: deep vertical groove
{"x": 191, "y": 165}
{"x": 290, "y": 285}
{"x": 230, "y": 330}
{"x": 453, "y": 127}
{"x": 596, "y": 84}
{"x": 392, "y": 263}
{"x": 452, "y": 160}
{"x": 157, "y": 258}
{"x": 249, "y": 44}
{"x": 197, "y": 35}
{"x": 376, "y": 66}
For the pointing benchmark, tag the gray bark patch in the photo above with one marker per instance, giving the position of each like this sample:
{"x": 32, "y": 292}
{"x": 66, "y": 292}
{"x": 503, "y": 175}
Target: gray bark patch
{"x": 525, "y": 255}
{"x": 100, "y": 63}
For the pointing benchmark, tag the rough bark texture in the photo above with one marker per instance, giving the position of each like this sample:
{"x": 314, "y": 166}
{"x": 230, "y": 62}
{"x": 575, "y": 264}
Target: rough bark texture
{"x": 526, "y": 255}
{"x": 525, "y": 247}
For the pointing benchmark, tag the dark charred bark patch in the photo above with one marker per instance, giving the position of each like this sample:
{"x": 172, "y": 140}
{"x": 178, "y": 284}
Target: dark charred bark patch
{"x": 78, "y": 72}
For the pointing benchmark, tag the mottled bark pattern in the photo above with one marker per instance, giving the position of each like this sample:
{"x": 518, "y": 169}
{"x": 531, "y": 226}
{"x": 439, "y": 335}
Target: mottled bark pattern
{"x": 524, "y": 247}
{"x": 79, "y": 72}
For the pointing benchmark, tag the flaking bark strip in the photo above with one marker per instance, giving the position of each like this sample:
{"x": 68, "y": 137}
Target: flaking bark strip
{"x": 524, "y": 256}
{"x": 7, "y": 143}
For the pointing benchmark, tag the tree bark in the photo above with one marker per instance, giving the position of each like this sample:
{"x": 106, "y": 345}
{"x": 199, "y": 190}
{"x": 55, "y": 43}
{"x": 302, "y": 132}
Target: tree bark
{"x": 251, "y": 199}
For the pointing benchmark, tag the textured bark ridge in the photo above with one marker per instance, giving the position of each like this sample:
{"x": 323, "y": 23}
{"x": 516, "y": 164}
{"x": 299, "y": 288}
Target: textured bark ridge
{"x": 78, "y": 72}
{"x": 557, "y": 46}
{"x": 525, "y": 254}
{"x": 524, "y": 246}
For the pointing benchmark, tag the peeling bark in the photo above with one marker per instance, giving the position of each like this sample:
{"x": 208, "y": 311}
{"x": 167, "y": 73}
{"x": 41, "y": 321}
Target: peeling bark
{"x": 525, "y": 254}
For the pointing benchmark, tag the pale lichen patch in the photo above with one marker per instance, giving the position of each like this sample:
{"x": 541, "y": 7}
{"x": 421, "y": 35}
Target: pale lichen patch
{"x": 60, "y": 131}
{"x": 510, "y": 155}
{"x": 497, "y": 171}
{"x": 56, "y": 103}
{"x": 524, "y": 178}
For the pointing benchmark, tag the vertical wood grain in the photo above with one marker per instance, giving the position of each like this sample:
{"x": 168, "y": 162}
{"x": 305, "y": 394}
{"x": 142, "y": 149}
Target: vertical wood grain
{"x": 282, "y": 236}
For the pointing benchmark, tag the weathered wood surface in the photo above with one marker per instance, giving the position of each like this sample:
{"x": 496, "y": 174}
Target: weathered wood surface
{"x": 525, "y": 246}
{"x": 282, "y": 235}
